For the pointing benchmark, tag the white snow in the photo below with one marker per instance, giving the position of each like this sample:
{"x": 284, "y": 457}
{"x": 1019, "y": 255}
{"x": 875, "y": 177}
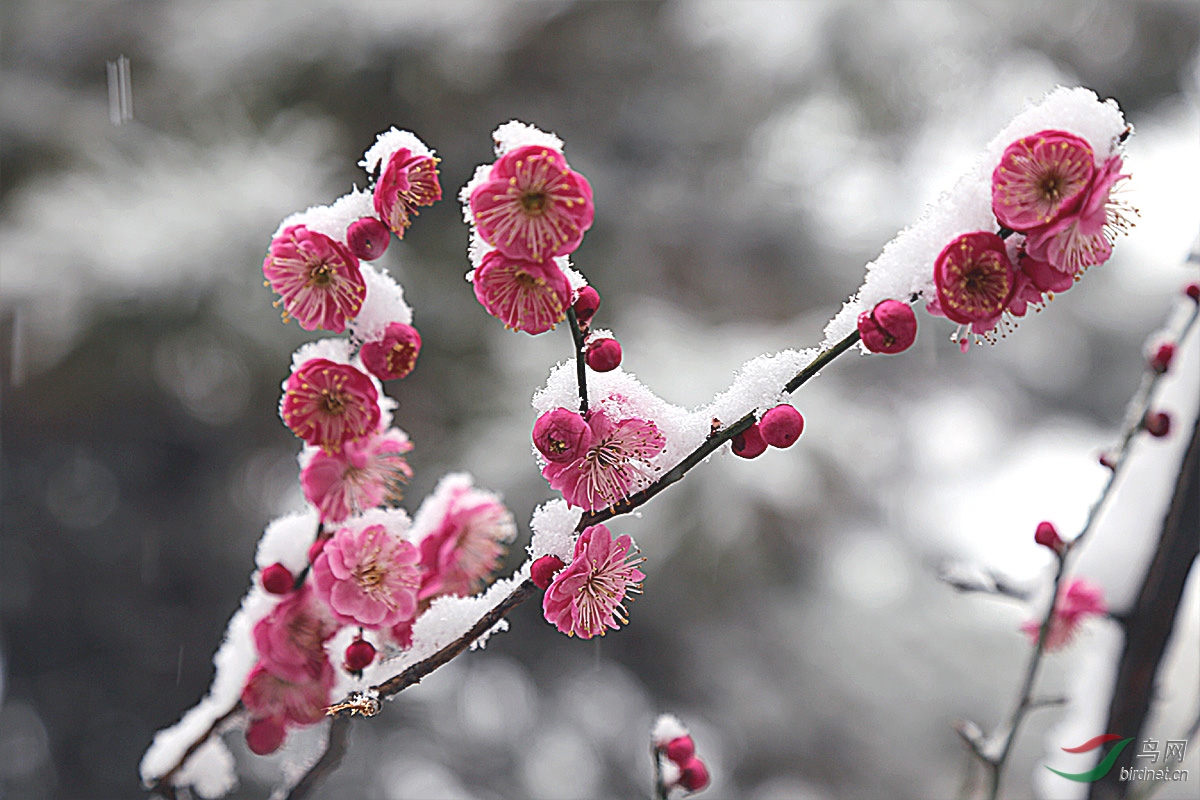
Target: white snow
{"x": 386, "y": 145}
{"x": 383, "y": 305}
{"x": 332, "y": 220}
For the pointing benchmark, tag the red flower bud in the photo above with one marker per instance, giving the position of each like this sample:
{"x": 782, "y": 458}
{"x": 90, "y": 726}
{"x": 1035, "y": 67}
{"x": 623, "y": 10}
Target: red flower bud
{"x": 890, "y": 327}
{"x": 359, "y": 655}
{"x": 265, "y": 735}
{"x": 586, "y": 304}
{"x": 277, "y": 579}
{"x": 1157, "y": 423}
{"x": 367, "y": 238}
{"x": 604, "y": 355}
{"x": 781, "y": 426}
{"x": 693, "y": 775}
{"x": 749, "y": 443}
{"x": 1047, "y": 536}
{"x": 1192, "y": 290}
{"x": 1160, "y": 362}
{"x": 681, "y": 749}
{"x": 544, "y": 570}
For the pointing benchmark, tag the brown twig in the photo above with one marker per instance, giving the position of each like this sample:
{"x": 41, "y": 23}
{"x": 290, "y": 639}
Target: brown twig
{"x": 331, "y": 759}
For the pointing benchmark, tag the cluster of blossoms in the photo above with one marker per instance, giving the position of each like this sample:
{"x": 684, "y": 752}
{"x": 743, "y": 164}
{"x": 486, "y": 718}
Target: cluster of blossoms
{"x": 679, "y": 770}
{"x": 369, "y": 568}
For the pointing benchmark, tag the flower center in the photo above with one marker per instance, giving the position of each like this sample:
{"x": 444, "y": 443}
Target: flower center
{"x": 534, "y": 203}
{"x": 528, "y": 281}
{"x": 321, "y": 274}
{"x": 333, "y": 401}
{"x": 401, "y": 358}
{"x": 1051, "y": 186}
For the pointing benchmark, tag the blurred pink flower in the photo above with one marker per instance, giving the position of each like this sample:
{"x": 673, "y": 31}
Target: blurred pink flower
{"x": 1077, "y": 600}
{"x": 530, "y": 296}
{"x": 368, "y": 577}
{"x": 467, "y": 546}
{"x": 366, "y": 473}
{"x": 1082, "y": 238}
{"x": 587, "y": 596}
{"x": 533, "y": 206}
{"x": 406, "y": 182}
{"x": 316, "y": 277}
{"x": 291, "y": 639}
{"x": 603, "y": 475}
{"x": 275, "y": 702}
{"x": 328, "y": 404}
{"x": 1039, "y": 178}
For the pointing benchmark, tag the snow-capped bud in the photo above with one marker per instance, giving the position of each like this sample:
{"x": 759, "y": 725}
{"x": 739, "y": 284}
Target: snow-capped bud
{"x": 1107, "y": 460}
{"x": 1160, "y": 362}
{"x": 264, "y": 735}
{"x": 359, "y": 655}
{"x": 277, "y": 579}
{"x": 749, "y": 443}
{"x": 1047, "y": 536}
{"x": 693, "y": 775}
{"x": 781, "y": 426}
{"x": 368, "y": 238}
{"x": 586, "y": 304}
{"x": 1192, "y": 290}
{"x": 561, "y": 435}
{"x": 544, "y": 569}
{"x": 890, "y": 327}
{"x": 680, "y": 749}
{"x": 1157, "y": 423}
{"x": 604, "y": 355}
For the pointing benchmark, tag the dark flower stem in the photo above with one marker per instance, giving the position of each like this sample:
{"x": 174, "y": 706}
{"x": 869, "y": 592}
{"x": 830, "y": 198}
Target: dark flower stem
{"x": 578, "y": 337}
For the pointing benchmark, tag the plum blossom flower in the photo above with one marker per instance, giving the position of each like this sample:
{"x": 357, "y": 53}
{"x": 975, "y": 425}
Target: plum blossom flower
{"x": 275, "y": 702}
{"x": 530, "y": 296}
{"x": 587, "y": 596}
{"x": 364, "y": 474}
{"x": 395, "y": 354}
{"x": 291, "y": 639}
{"x": 316, "y": 277}
{"x": 1041, "y": 177}
{"x": 407, "y": 181}
{"x": 974, "y": 279}
{"x": 368, "y": 577}
{"x": 1077, "y": 600}
{"x": 328, "y": 404}
{"x": 533, "y": 206}
{"x": 1074, "y": 241}
{"x": 562, "y": 435}
{"x": 467, "y": 546}
{"x": 617, "y": 458}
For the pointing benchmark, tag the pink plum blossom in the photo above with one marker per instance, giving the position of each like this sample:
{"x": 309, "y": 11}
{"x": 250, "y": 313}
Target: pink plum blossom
{"x": 562, "y": 435}
{"x": 1039, "y": 178}
{"x": 1082, "y": 238}
{"x": 1078, "y": 599}
{"x": 364, "y": 474}
{"x": 459, "y": 555}
{"x": 316, "y": 277}
{"x": 394, "y": 355}
{"x": 974, "y": 279}
{"x": 406, "y": 182}
{"x": 533, "y": 206}
{"x": 267, "y": 696}
{"x": 368, "y": 577}
{"x": 530, "y": 296}
{"x": 328, "y": 404}
{"x": 587, "y": 596}
{"x": 291, "y": 639}
{"x": 615, "y": 461}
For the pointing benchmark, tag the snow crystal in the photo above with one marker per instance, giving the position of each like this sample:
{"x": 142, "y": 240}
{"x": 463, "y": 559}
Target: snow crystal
{"x": 395, "y": 520}
{"x": 574, "y": 278}
{"x": 514, "y": 134}
{"x": 464, "y": 196}
{"x": 386, "y": 144}
{"x": 553, "y": 524}
{"x": 666, "y": 728}
{"x": 332, "y": 220}
{"x": 210, "y": 771}
{"x": 287, "y": 539}
{"x": 905, "y": 267}
{"x": 384, "y": 305}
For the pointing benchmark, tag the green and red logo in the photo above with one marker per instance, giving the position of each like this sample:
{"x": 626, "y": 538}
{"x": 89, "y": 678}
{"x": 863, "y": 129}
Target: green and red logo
{"x": 1100, "y": 770}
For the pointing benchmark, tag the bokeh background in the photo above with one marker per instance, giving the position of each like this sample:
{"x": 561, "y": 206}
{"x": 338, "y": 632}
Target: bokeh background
{"x": 748, "y": 159}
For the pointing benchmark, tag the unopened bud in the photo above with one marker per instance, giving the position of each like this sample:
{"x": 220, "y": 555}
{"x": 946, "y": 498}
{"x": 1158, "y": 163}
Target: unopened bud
{"x": 1160, "y": 362}
{"x": 543, "y": 571}
{"x": 749, "y": 443}
{"x": 367, "y": 238}
{"x": 781, "y": 426}
{"x": 265, "y": 735}
{"x": 277, "y": 579}
{"x": 1192, "y": 290}
{"x": 890, "y": 327}
{"x": 693, "y": 775}
{"x": 604, "y": 355}
{"x": 359, "y": 655}
{"x": 1157, "y": 423}
{"x": 1047, "y": 536}
{"x": 586, "y": 305}
{"x": 680, "y": 749}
